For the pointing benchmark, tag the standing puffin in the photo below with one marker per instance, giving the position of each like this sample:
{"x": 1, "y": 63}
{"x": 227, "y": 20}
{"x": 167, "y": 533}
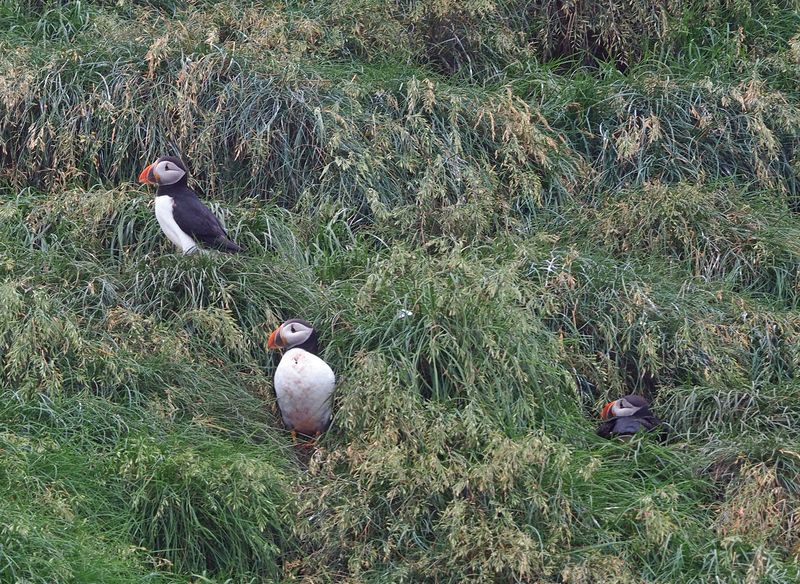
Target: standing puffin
{"x": 181, "y": 215}
{"x": 626, "y": 416}
{"x": 303, "y": 381}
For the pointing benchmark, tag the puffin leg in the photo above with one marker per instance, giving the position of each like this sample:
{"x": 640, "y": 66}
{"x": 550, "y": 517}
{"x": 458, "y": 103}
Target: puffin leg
{"x": 311, "y": 443}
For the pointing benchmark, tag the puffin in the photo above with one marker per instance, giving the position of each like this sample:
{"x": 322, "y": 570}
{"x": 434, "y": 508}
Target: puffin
{"x": 303, "y": 382}
{"x": 625, "y": 416}
{"x": 182, "y": 217}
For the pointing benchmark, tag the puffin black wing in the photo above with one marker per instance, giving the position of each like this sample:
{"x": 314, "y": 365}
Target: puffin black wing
{"x": 606, "y": 429}
{"x": 194, "y": 218}
{"x": 643, "y": 420}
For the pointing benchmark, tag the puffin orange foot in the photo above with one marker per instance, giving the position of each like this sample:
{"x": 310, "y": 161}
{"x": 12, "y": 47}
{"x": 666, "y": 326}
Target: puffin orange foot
{"x": 309, "y": 444}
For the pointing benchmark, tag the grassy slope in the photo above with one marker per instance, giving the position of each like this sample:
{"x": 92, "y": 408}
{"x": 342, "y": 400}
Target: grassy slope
{"x": 562, "y": 231}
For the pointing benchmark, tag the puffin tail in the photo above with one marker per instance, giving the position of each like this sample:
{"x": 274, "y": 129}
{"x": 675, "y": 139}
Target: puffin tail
{"x": 226, "y": 245}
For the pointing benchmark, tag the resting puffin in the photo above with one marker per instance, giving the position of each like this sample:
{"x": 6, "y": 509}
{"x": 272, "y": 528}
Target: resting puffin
{"x": 303, "y": 381}
{"x": 626, "y": 416}
{"x": 183, "y": 218}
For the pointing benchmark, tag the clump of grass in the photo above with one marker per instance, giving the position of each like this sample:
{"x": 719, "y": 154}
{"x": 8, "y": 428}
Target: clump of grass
{"x": 412, "y": 142}
{"x": 47, "y": 21}
{"x": 215, "y": 506}
{"x": 442, "y": 358}
{"x": 454, "y": 476}
{"x": 122, "y": 504}
{"x": 749, "y": 243}
{"x": 482, "y": 41}
{"x": 117, "y": 219}
{"x": 429, "y": 141}
{"x": 637, "y": 333}
{"x": 709, "y": 411}
{"x": 61, "y": 520}
{"x": 644, "y": 129}
{"x": 759, "y": 509}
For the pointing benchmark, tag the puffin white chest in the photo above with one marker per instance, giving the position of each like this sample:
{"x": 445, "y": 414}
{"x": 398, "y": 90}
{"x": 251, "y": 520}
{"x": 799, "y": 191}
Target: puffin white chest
{"x": 164, "y": 215}
{"x": 303, "y": 386}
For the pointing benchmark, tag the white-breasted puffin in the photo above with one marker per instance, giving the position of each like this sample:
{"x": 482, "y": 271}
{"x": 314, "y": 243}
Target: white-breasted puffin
{"x": 183, "y": 218}
{"x": 303, "y": 382}
{"x": 626, "y": 416}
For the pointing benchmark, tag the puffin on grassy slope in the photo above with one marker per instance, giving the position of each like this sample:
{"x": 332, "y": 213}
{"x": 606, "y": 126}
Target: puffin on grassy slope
{"x": 303, "y": 381}
{"x": 626, "y": 416}
{"x": 181, "y": 215}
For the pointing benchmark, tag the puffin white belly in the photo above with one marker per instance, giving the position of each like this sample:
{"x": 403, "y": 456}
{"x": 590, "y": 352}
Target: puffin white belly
{"x": 169, "y": 226}
{"x": 303, "y": 386}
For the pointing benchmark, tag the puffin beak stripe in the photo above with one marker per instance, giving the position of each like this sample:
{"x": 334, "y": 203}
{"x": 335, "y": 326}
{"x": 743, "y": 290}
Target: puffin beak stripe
{"x": 274, "y": 341}
{"x": 144, "y": 176}
{"x": 606, "y": 413}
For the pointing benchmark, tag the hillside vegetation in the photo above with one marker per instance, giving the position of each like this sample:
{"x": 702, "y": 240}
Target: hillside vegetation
{"x": 573, "y": 200}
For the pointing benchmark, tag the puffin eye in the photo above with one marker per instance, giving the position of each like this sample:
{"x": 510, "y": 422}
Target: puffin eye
{"x": 292, "y": 329}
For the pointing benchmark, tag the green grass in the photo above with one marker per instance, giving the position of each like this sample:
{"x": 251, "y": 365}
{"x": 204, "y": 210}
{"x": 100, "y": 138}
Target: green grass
{"x": 573, "y": 203}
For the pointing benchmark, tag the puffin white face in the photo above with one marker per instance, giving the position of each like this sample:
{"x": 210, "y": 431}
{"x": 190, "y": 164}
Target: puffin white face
{"x": 623, "y": 407}
{"x": 162, "y": 172}
{"x": 167, "y": 173}
{"x": 290, "y": 334}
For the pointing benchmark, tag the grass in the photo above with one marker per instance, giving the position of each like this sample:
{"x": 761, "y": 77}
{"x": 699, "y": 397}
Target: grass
{"x": 498, "y": 215}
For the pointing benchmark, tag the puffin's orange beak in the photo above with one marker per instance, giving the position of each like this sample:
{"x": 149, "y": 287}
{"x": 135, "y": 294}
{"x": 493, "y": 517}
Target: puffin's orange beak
{"x": 275, "y": 341}
{"x": 606, "y": 413}
{"x": 144, "y": 176}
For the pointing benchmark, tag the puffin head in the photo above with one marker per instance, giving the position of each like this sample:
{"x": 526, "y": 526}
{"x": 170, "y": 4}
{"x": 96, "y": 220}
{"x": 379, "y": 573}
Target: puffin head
{"x": 624, "y": 406}
{"x": 167, "y": 170}
{"x": 295, "y": 332}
